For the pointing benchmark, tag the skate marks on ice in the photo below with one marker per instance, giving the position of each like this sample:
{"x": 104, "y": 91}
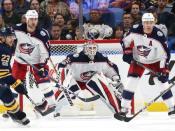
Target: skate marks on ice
{"x": 151, "y": 122}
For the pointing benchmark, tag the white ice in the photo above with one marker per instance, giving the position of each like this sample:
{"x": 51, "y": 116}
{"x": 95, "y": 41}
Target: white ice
{"x": 150, "y": 122}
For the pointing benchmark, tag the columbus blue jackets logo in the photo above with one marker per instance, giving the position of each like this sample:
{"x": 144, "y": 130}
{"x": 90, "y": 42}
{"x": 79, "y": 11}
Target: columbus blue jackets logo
{"x": 143, "y": 50}
{"x": 87, "y": 75}
{"x": 26, "y": 48}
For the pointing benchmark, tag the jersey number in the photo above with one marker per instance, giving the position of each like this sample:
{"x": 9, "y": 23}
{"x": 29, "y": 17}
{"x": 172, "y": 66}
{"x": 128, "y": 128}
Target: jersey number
{"x": 5, "y": 59}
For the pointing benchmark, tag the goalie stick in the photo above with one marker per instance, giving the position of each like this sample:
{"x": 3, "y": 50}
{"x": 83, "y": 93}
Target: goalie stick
{"x": 127, "y": 119}
{"x": 93, "y": 98}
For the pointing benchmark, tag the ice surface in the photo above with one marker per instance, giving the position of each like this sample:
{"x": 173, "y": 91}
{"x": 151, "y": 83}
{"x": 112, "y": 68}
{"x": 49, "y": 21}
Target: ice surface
{"x": 151, "y": 122}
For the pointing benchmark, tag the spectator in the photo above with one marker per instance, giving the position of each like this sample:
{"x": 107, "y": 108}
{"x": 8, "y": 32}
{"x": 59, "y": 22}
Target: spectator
{"x": 1, "y": 22}
{"x": 55, "y": 33}
{"x": 78, "y": 35}
{"x": 127, "y": 22}
{"x": 51, "y": 10}
{"x": 162, "y": 6}
{"x": 59, "y": 19}
{"x": 9, "y": 16}
{"x": 95, "y": 27}
{"x": 95, "y": 17}
{"x": 21, "y": 7}
{"x": 68, "y": 32}
{"x": 118, "y": 32}
{"x": 44, "y": 20}
{"x": 135, "y": 12}
{"x": 125, "y": 4}
{"x": 60, "y": 6}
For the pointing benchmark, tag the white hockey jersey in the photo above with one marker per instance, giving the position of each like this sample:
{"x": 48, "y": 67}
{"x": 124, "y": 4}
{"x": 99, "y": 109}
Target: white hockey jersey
{"x": 83, "y": 68}
{"x": 147, "y": 49}
{"x": 33, "y": 47}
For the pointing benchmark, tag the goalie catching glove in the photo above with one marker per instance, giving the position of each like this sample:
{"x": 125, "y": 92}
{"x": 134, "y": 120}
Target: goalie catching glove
{"x": 19, "y": 87}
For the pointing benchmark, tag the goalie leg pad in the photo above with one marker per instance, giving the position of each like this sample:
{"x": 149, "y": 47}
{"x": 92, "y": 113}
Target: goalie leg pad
{"x": 98, "y": 85}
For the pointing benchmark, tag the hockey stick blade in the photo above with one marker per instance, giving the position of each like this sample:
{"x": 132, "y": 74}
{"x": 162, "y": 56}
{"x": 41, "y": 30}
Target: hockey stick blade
{"x": 93, "y": 98}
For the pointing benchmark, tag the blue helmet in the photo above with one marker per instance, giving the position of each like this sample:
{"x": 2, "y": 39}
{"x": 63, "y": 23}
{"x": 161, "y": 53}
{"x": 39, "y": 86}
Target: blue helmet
{"x": 8, "y": 31}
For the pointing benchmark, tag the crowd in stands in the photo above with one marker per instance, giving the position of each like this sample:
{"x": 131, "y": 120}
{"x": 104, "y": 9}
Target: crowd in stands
{"x": 61, "y": 17}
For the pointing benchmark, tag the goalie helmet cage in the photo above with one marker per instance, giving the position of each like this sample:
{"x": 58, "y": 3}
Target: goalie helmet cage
{"x": 59, "y": 49}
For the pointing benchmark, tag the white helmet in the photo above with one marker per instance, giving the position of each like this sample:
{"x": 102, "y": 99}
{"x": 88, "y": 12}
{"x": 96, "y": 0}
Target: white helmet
{"x": 148, "y": 17}
{"x": 90, "y": 49}
{"x": 31, "y": 14}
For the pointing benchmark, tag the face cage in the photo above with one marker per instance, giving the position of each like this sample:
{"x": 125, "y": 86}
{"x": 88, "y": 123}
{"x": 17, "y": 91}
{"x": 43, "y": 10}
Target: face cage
{"x": 91, "y": 50}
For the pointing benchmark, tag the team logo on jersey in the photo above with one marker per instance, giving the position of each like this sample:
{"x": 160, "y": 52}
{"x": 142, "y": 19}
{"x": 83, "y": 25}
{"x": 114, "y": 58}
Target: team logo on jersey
{"x": 26, "y": 48}
{"x": 159, "y": 33}
{"x": 143, "y": 50}
{"x": 42, "y": 33}
{"x": 87, "y": 75}
{"x": 136, "y": 26}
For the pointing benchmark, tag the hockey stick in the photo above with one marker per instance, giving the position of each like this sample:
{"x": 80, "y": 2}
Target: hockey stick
{"x": 127, "y": 119}
{"x": 93, "y": 98}
{"x": 158, "y": 74}
{"x": 36, "y": 106}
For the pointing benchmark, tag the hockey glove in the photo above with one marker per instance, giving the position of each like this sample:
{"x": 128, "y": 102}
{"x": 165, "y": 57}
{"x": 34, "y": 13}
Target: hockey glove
{"x": 19, "y": 87}
{"x": 42, "y": 71}
{"x": 164, "y": 75}
{"x": 127, "y": 55}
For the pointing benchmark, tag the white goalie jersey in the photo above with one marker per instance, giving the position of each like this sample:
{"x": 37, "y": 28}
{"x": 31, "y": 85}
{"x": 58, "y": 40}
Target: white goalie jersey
{"x": 83, "y": 68}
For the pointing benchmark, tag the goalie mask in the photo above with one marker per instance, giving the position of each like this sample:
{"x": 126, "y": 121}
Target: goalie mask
{"x": 90, "y": 49}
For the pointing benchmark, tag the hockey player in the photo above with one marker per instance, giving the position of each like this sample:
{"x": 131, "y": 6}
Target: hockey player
{"x": 86, "y": 69}
{"x": 7, "y": 37}
{"x": 32, "y": 45}
{"x": 147, "y": 45}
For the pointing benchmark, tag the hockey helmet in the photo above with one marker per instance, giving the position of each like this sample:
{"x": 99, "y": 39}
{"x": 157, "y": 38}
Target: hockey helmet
{"x": 148, "y": 17}
{"x": 31, "y": 14}
{"x": 90, "y": 49}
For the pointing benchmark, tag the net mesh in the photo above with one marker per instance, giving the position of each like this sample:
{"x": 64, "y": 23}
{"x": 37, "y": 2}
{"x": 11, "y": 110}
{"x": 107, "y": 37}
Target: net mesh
{"x": 69, "y": 47}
